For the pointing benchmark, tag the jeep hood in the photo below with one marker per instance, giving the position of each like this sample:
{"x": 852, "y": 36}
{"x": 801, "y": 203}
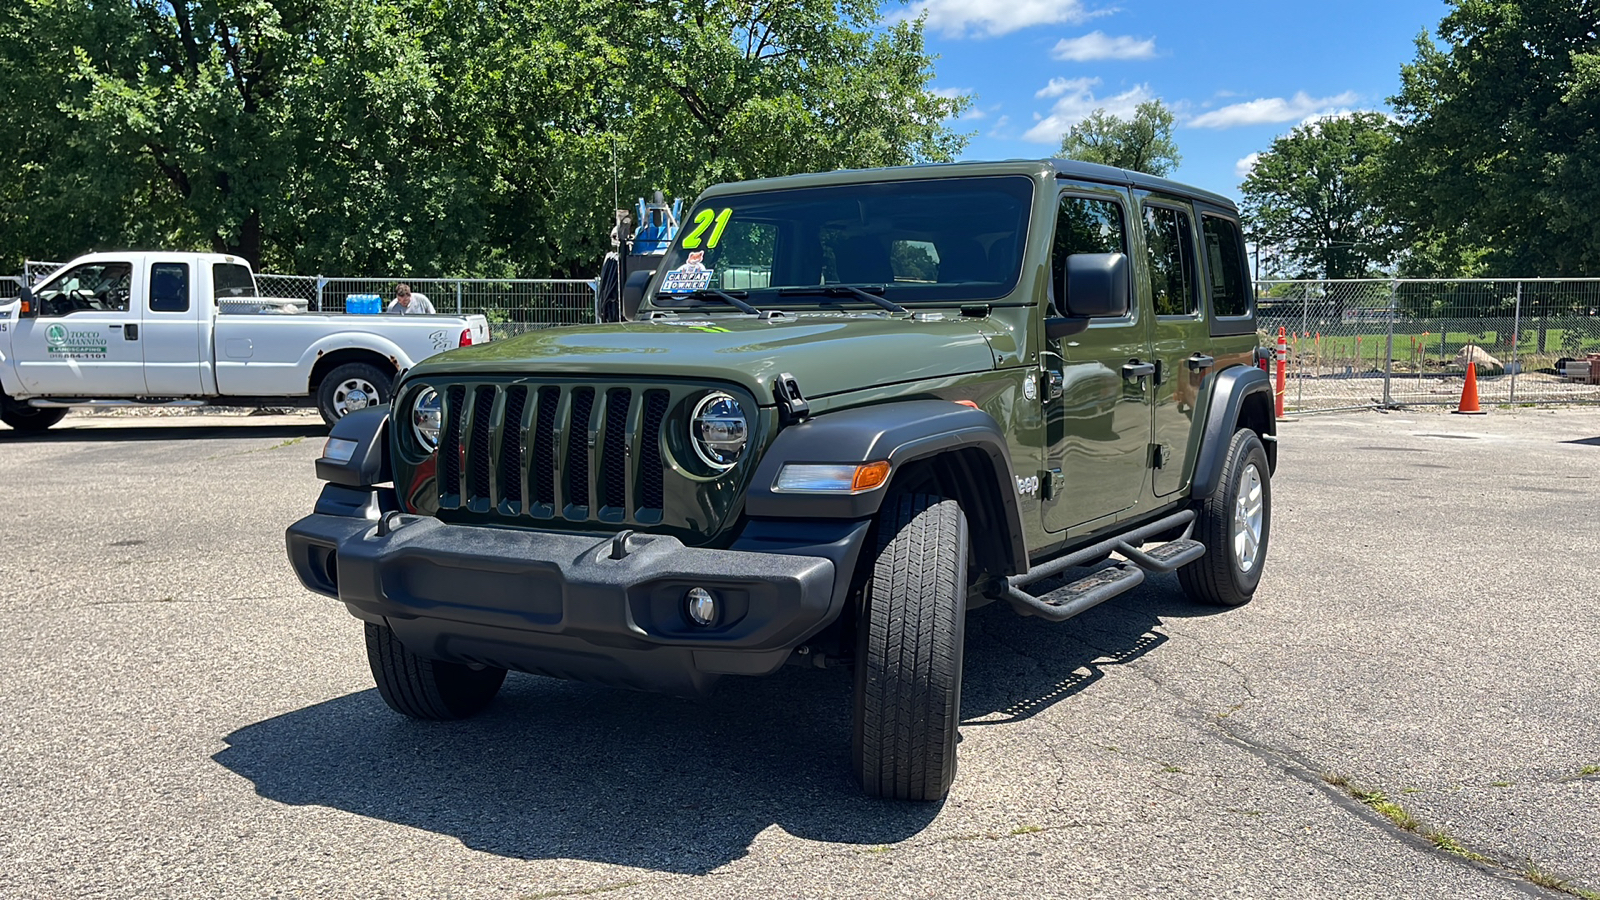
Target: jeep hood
{"x": 828, "y": 353}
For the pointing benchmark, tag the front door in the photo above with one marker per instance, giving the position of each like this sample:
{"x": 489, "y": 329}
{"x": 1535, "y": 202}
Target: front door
{"x": 85, "y": 340}
{"x": 1096, "y": 392}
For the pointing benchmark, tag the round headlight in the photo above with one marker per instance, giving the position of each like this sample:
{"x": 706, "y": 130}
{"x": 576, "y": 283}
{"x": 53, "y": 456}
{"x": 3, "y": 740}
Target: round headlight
{"x": 720, "y": 430}
{"x": 426, "y": 414}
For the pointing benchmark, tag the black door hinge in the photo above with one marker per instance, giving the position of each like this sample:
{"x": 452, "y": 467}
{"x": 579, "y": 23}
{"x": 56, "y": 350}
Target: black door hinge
{"x": 1160, "y": 455}
{"x": 792, "y": 405}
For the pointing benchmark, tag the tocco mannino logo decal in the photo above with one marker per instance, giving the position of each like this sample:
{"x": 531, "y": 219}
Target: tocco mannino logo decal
{"x": 64, "y": 342}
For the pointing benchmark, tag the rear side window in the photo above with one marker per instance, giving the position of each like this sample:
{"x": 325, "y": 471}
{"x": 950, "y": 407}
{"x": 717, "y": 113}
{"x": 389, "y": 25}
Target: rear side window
{"x": 1170, "y": 239}
{"x": 231, "y": 280}
{"x": 169, "y": 287}
{"x": 1230, "y": 289}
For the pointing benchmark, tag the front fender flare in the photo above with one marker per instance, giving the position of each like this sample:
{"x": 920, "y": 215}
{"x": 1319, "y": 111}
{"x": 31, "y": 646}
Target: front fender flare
{"x": 901, "y": 433}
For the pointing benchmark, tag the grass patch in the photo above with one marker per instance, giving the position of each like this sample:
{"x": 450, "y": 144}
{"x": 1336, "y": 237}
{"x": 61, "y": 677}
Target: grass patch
{"x": 582, "y": 892}
{"x": 1586, "y": 771}
{"x": 1500, "y": 784}
{"x": 881, "y": 848}
{"x": 1402, "y": 818}
{"x": 1026, "y": 829}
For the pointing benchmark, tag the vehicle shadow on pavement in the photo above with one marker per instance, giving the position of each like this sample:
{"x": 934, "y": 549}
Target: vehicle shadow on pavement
{"x": 563, "y": 770}
{"x": 241, "y": 431}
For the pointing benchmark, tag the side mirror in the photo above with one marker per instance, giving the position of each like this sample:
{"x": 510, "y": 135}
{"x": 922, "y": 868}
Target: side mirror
{"x": 1093, "y": 286}
{"x": 633, "y": 292}
{"x": 30, "y": 308}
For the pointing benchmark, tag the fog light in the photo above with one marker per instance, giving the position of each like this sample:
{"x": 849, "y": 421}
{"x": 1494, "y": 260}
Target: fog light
{"x": 701, "y": 606}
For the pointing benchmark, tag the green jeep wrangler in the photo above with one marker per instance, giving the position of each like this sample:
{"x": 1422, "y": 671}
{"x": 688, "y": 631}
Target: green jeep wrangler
{"x": 847, "y": 409}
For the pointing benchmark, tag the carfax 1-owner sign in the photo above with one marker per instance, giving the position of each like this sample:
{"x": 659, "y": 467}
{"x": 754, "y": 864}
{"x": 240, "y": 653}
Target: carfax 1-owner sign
{"x": 66, "y": 343}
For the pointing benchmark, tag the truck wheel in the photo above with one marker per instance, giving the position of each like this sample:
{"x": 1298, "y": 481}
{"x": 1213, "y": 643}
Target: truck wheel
{"x": 350, "y": 387}
{"x": 424, "y": 688}
{"x": 908, "y": 650}
{"x": 1234, "y": 523}
{"x": 29, "y": 419}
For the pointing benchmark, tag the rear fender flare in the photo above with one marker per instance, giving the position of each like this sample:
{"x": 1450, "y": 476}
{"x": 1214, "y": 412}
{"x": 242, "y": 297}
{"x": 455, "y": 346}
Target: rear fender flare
{"x": 1241, "y": 397}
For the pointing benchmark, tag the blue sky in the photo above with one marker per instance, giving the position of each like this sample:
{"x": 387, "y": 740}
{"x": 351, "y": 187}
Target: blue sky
{"x": 1238, "y": 73}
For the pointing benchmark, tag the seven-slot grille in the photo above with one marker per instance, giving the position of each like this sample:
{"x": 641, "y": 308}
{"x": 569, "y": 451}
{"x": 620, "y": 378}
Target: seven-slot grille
{"x": 577, "y": 452}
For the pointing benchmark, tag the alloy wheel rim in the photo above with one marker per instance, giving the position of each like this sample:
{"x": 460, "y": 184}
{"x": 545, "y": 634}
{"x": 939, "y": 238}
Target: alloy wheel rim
{"x": 1249, "y": 512}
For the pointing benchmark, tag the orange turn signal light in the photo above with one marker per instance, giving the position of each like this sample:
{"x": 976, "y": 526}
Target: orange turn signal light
{"x": 869, "y": 476}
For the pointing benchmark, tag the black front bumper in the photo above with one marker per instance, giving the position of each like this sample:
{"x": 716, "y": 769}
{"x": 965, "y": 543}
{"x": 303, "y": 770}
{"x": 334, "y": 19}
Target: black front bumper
{"x": 561, "y": 605}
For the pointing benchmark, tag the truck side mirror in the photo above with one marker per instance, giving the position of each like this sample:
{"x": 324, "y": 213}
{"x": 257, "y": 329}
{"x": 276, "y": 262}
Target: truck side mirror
{"x": 1093, "y": 286}
{"x": 633, "y": 293}
{"x": 30, "y": 307}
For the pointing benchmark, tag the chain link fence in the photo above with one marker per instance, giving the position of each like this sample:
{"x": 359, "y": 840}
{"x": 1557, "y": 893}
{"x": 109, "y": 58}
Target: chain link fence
{"x": 1385, "y": 343}
{"x": 512, "y": 306}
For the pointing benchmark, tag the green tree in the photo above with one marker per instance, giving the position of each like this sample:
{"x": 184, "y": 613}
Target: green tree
{"x": 1499, "y": 157}
{"x": 418, "y": 137}
{"x": 1314, "y": 202}
{"x": 1142, "y": 143}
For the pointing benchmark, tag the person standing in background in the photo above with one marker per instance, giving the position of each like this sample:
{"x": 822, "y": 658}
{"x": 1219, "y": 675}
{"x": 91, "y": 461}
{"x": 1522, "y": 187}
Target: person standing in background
{"x": 407, "y": 303}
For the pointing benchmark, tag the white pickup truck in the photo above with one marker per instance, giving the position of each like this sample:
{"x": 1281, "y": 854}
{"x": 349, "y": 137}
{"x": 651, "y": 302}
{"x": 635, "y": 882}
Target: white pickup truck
{"x": 141, "y": 328}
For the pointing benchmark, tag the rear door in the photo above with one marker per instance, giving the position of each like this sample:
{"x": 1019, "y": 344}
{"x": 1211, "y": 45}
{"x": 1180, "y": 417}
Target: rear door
{"x": 1172, "y": 267}
{"x": 171, "y": 335}
{"x": 1097, "y": 405}
{"x": 85, "y": 340}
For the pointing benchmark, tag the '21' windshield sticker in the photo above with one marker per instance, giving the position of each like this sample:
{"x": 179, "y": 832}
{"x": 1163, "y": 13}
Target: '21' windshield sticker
{"x": 703, "y": 220}
{"x": 690, "y": 277}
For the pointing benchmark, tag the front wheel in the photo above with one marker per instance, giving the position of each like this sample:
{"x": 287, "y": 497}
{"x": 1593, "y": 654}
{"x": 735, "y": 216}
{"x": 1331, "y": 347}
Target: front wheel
{"x": 1234, "y": 522}
{"x": 350, "y": 387}
{"x": 424, "y": 688}
{"x": 28, "y": 419}
{"x": 909, "y": 639}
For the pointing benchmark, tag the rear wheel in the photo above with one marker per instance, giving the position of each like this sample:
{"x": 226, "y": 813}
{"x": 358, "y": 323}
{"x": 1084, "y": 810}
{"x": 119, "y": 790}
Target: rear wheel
{"x": 424, "y": 688}
{"x": 1234, "y": 523}
{"x": 28, "y": 418}
{"x": 908, "y": 650}
{"x": 350, "y": 387}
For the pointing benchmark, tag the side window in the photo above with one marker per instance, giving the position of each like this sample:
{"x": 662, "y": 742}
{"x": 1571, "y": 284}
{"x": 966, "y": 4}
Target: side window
{"x": 1170, "y": 240}
{"x": 231, "y": 280}
{"x": 169, "y": 287}
{"x": 1086, "y": 225}
{"x": 1230, "y": 289}
{"x": 91, "y": 287}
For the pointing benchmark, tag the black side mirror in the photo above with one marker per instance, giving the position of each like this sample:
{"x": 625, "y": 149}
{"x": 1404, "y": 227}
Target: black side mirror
{"x": 633, "y": 293}
{"x": 30, "y": 307}
{"x": 1093, "y": 286}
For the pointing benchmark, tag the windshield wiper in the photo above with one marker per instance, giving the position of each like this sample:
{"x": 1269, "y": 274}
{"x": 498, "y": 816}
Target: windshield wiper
{"x": 844, "y": 290}
{"x": 715, "y": 294}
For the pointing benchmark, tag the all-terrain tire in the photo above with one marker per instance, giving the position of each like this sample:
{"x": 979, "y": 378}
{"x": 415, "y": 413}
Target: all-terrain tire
{"x": 334, "y": 394}
{"x": 28, "y": 419}
{"x": 1235, "y": 523}
{"x": 424, "y": 688}
{"x": 909, "y": 637}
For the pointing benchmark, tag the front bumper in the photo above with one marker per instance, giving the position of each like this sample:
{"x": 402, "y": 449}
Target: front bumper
{"x": 562, "y": 605}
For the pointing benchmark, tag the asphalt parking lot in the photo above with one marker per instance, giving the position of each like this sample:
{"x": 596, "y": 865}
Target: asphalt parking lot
{"x": 179, "y": 718}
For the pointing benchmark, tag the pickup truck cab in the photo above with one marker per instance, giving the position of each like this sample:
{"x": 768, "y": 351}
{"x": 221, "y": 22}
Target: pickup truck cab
{"x": 143, "y": 328}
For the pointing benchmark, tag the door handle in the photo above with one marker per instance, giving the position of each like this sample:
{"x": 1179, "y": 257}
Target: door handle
{"x": 1136, "y": 370}
{"x": 1200, "y": 362}
{"x": 130, "y": 332}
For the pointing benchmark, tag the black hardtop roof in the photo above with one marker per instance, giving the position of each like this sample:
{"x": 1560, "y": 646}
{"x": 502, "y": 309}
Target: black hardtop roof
{"x": 1062, "y": 168}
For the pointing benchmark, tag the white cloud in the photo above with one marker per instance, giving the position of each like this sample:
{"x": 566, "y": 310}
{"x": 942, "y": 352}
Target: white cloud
{"x": 1271, "y": 110}
{"x": 973, "y": 113}
{"x": 1099, "y": 45}
{"x": 1075, "y": 101}
{"x": 951, "y": 93}
{"x": 1001, "y": 128}
{"x": 1245, "y": 166}
{"x": 990, "y": 18}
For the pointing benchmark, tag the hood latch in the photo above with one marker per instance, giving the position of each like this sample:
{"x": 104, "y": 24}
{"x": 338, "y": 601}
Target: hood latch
{"x": 792, "y": 405}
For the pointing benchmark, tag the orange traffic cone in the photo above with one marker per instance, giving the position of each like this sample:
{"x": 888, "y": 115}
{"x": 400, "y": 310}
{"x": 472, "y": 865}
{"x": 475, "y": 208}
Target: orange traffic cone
{"x": 1469, "y": 391}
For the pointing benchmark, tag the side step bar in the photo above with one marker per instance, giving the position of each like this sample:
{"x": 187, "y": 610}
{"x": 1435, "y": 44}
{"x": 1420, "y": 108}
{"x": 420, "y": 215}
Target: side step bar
{"x": 1099, "y": 586}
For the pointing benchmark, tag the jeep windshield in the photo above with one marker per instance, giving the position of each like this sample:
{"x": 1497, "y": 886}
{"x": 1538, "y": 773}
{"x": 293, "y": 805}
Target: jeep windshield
{"x": 931, "y": 242}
